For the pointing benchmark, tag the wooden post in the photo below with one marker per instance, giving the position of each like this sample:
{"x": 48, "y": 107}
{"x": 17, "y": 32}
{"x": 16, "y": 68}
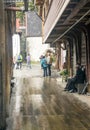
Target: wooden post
{"x": 2, "y": 68}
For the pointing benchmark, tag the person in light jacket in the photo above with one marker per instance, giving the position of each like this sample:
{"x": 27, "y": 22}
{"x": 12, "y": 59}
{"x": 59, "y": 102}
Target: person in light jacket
{"x": 28, "y": 58}
{"x": 49, "y": 64}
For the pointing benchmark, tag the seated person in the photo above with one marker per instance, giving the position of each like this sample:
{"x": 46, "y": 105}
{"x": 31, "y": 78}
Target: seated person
{"x": 78, "y": 78}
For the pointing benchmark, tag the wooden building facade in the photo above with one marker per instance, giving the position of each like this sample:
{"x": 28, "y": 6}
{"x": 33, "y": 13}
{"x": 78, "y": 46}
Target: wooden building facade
{"x": 7, "y": 28}
{"x": 67, "y": 22}
{"x": 8, "y": 10}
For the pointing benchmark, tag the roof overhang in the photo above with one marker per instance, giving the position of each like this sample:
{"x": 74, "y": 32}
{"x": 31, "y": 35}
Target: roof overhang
{"x": 77, "y": 12}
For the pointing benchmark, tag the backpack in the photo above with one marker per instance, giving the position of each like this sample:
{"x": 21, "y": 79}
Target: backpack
{"x": 19, "y": 57}
{"x": 44, "y": 63}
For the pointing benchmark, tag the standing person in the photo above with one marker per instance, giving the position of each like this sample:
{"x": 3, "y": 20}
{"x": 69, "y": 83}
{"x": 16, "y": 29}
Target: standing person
{"x": 44, "y": 66}
{"x": 19, "y": 61}
{"x": 49, "y": 64}
{"x": 28, "y": 58}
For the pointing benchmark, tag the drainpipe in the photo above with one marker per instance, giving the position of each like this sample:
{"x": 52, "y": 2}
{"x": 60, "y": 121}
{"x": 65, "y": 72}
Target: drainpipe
{"x": 72, "y": 26}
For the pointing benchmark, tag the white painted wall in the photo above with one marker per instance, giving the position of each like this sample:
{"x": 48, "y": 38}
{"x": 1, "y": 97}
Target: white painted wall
{"x": 35, "y": 47}
{"x": 16, "y": 44}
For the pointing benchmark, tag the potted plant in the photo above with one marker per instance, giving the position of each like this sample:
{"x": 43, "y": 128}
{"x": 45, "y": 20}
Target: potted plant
{"x": 64, "y": 74}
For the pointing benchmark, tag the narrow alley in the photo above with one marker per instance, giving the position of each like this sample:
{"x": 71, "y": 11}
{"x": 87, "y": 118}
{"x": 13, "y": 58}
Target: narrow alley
{"x": 58, "y": 33}
{"x": 39, "y": 103}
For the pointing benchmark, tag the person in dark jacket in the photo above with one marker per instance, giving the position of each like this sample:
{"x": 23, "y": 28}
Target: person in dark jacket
{"x": 78, "y": 78}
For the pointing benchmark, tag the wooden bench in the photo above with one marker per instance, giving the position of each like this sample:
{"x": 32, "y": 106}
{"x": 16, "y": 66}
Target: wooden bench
{"x": 81, "y": 88}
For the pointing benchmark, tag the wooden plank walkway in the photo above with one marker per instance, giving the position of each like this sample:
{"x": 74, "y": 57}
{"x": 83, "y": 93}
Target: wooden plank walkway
{"x": 39, "y": 103}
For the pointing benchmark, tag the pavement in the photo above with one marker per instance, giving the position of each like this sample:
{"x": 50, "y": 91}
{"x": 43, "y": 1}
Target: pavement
{"x": 40, "y": 103}
{"x": 55, "y": 74}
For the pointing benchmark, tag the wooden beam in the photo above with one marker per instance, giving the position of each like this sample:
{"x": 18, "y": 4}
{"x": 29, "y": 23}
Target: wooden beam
{"x": 76, "y": 10}
{"x": 14, "y": 9}
{"x": 58, "y": 25}
{"x": 60, "y": 28}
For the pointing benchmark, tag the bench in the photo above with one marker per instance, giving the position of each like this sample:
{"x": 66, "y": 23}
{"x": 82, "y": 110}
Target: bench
{"x": 81, "y": 88}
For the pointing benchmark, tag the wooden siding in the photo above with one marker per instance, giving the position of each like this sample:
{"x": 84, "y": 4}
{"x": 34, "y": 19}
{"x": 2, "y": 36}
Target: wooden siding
{"x": 54, "y": 14}
{"x": 2, "y": 67}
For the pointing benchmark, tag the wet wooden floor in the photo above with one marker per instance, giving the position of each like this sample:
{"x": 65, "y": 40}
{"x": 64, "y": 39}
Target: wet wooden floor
{"x": 40, "y": 104}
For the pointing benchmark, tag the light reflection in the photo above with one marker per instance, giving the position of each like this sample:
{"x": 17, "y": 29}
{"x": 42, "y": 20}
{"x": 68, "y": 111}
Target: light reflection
{"x": 18, "y": 102}
{"x": 36, "y": 83}
{"x": 18, "y": 96}
{"x": 37, "y": 100}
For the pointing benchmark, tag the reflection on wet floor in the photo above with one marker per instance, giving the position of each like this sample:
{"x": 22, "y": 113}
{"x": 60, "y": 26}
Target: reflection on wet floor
{"x": 40, "y": 104}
